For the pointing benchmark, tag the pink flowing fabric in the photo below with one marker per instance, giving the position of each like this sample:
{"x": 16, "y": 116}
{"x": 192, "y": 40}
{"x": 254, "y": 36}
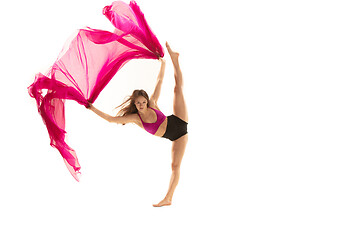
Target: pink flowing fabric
{"x": 86, "y": 66}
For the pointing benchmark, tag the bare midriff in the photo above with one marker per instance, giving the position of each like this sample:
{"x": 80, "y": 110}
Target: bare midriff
{"x": 162, "y": 129}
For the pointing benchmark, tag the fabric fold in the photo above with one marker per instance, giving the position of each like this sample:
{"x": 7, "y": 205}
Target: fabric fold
{"x": 86, "y": 65}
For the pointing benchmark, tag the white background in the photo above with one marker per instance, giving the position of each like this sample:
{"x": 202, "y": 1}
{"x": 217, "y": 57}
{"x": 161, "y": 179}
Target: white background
{"x": 273, "y": 94}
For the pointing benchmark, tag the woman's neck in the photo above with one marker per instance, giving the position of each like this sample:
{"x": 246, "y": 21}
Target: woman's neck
{"x": 145, "y": 112}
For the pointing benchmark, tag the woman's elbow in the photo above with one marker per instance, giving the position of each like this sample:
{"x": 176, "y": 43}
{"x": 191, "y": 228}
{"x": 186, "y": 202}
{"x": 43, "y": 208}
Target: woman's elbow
{"x": 118, "y": 120}
{"x": 110, "y": 119}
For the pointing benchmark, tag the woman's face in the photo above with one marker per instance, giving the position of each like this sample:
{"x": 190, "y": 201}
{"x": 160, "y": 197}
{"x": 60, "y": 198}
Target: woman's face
{"x": 141, "y": 103}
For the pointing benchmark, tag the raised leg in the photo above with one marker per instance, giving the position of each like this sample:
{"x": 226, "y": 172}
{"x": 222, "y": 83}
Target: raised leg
{"x": 180, "y": 109}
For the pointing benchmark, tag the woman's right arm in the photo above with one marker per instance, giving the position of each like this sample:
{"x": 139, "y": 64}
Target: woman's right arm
{"x": 119, "y": 119}
{"x": 155, "y": 96}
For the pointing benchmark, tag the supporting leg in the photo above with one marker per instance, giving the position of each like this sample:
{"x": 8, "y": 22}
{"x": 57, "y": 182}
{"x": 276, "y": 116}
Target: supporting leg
{"x": 178, "y": 150}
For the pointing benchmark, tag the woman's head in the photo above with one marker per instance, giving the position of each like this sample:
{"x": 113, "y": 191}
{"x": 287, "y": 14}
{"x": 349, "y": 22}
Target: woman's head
{"x": 138, "y": 101}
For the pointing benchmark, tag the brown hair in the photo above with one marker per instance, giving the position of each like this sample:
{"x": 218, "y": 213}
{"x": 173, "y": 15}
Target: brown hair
{"x": 128, "y": 106}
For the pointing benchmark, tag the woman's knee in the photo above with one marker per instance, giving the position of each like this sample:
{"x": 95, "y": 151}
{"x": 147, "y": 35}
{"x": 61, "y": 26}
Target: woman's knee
{"x": 175, "y": 166}
{"x": 178, "y": 80}
{"x": 178, "y": 90}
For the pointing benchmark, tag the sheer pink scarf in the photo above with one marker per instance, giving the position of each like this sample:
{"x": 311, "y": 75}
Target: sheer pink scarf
{"x": 86, "y": 66}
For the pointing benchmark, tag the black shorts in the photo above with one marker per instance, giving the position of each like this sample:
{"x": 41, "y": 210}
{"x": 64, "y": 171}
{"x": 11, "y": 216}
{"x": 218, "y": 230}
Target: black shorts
{"x": 176, "y": 128}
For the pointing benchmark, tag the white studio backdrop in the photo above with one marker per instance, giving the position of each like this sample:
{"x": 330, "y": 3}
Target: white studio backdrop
{"x": 272, "y": 89}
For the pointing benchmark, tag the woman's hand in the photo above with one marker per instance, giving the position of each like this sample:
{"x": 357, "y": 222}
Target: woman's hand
{"x": 162, "y": 60}
{"x": 90, "y": 106}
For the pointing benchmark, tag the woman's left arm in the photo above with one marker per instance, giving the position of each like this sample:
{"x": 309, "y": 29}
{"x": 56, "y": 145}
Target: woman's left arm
{"x": 155, "y": 96}
{"x": 131, "y": 118}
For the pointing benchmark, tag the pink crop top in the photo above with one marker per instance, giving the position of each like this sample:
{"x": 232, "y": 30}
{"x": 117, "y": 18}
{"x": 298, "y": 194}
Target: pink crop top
{"x": 153, "y": 127}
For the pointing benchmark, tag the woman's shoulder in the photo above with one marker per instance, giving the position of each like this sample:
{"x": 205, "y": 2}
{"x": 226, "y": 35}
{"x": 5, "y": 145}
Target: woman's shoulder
{"x": 152, "y": 104}
{"x": 130, "y": 118}
{"x": 134, "y": 117}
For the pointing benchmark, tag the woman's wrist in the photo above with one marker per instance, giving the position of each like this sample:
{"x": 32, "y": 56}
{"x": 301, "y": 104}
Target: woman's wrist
{"x": 89, "y": 106}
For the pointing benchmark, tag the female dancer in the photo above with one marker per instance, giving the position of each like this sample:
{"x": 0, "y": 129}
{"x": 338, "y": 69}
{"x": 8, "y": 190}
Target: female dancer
{"x": 145, "y": 113}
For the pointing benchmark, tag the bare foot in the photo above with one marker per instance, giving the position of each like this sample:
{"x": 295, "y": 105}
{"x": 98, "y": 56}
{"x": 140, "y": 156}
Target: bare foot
{"x": 164, "y": 202}
{"x": 174, "y": 55}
